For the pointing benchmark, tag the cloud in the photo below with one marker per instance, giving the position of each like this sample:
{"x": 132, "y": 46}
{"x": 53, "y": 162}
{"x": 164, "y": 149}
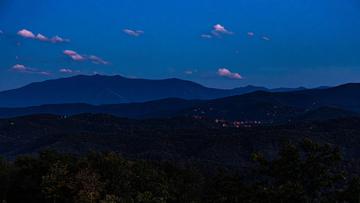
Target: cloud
{"x": 45, "y": 73}
{"x": 24, "y": 69}
{"x": 224, "y": 72}
{"x": 189, "y": 72}
{"x": 19, "y": 67}
{"x": 219, "y": 29}
{"x": 26, "y": 34}
{"x": 58, "y": 39}
{"x": 133, "y": 33}
{"x": 30, "y": 35}
{"x": 68, "y": 71}
{"x": 97, "y": 60}
{"x": 251, "y": 34}
{"x": 265, "y": 38}
{"x": 74, "y": 55}
{"x": 65, "y": 70}
{"x": 206, "y": 36}
{"x": 92, "y": 58}
{"x": 41, "y": 37}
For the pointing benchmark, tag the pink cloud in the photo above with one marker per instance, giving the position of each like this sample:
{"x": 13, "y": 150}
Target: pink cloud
{"x": 41, "y": 37}
{"x": 19, "y": 67}
{"x": 26, "y": 34}
{"x": 78, "y": 57}
{"x": 58, "y": 39}
{"x": 24, "y": 69}
{"x": 68, "y": 71}
{"x": 224, "y": 72}
{"x": 74, "y": 55}
{"x": 219, "y": 29}
{"x": 65, "y": 70}
{"x": 133, "y": 33}
{"x": 98, "y": 60}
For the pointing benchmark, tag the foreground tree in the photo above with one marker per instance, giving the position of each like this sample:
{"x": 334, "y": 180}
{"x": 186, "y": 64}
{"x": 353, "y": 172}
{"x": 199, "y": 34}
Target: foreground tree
{"x": 308, "y": 172}
{"x": 57, "y": 184}
{"x": 89, "y": 186}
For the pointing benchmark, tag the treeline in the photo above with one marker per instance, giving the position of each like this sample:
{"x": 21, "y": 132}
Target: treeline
{"x": 302, "y": 172}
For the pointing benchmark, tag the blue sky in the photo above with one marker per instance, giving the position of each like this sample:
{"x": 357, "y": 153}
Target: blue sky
{"x": 294, "y": 42}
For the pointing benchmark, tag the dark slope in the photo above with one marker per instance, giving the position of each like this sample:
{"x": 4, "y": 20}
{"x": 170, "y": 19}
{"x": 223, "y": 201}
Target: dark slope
{"x": 258, "y": 106}
{"x": 99, "y": 89}
{"x": 108, "y": 90}
{"x": 274, "y": 107}
{"x": 153, "y": 109}
{"x": 104, "y": 90}
{"x": 167, "y": 139}
{"x": 326, "y": 113}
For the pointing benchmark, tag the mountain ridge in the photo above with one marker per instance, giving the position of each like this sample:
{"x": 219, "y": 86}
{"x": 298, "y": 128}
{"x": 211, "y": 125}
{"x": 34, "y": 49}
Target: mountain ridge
{"x": 99, "y": 89}
{"x": 266, "y": 107}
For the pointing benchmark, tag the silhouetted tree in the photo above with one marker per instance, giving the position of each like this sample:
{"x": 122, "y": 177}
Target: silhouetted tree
{"x": 89, "y": 186}
{"x": 57, "y": 184}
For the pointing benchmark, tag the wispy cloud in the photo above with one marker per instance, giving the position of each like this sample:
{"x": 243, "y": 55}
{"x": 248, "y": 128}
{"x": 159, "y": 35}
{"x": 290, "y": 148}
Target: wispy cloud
{"x": 251, "y": 34}
{"x": 189, "y": 72}
{"x": 45, "y": 73}
{"x": 133, "y": 33}
{"x": 57, "y": 39}
{"x": 30, "y": 35}
{"x": 98, "y": 60}
{"x": 68, "y": 71}
{"x": 224, "y": 72}
{"x": 80, "y": 57}
{"x": 24, "y": 69}
{"x": 74, "y": 55}
{"x": 265, "y": 38}
{"x": 206, "y": 36}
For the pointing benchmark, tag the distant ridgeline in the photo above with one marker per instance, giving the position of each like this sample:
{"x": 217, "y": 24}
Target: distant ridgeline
{"x": 99, "y": 90}
{"x": 177, "y": 98}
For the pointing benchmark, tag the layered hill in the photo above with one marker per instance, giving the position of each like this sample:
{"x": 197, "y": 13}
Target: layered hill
{"x": 98, "y": 90}
{"x": 266, "y": 107}
{"x": 181, "y": 139}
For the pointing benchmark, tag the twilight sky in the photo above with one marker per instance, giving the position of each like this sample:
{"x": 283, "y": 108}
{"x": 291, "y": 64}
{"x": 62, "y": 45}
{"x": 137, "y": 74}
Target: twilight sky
{"x": 227, "y": 43}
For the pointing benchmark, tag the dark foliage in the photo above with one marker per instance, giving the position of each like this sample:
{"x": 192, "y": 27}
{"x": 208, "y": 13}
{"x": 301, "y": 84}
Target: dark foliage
{"x": 177, "y": 139}
{"x": 304, "y": 172}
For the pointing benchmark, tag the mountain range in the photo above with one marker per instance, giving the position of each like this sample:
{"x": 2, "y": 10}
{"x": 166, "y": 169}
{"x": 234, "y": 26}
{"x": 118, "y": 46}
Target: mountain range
{"x": 262, "y": 106}
{"x": 98, "y": 90}
{"x": 182, "y": 121}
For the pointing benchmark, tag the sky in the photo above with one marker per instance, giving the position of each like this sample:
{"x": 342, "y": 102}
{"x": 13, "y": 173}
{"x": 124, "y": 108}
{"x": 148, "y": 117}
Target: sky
{"x": 223, "y": 44}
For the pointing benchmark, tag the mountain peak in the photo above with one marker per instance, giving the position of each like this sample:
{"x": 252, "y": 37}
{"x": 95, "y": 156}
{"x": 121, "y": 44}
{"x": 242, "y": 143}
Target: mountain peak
{"x": 100, "y": 89}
